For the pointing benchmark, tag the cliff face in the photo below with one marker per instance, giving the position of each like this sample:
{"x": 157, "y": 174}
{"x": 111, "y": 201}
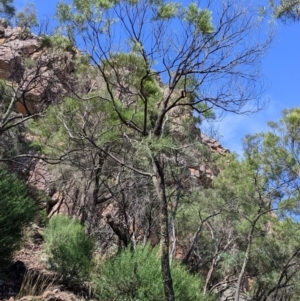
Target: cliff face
{"x": 38, "y": 75}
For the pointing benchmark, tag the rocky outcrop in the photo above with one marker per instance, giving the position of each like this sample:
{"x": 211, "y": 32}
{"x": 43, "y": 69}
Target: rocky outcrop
{"x": 15, "y": 46}
{"x": 38, "y": 75}
{"x": 214, "y": 145}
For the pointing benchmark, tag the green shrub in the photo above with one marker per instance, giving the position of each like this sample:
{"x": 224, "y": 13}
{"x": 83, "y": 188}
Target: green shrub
{"x": 56, "y": 41}
{"x": 136, "y": 276}
{"x": 17, "y": 210}
{"x": 69, "y": 249}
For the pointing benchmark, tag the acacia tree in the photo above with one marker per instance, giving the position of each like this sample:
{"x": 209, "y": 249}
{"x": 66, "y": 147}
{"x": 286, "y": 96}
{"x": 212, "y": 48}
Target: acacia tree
{"x": 278, "y": 153}
{"x": 204, "y": 61}
{"x": 274, "y": 156}
{"x": 269, "y": 181}
{"x": 239, "y": 236}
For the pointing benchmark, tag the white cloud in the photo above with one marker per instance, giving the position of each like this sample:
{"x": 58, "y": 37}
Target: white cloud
{"x": 233, "y": 127}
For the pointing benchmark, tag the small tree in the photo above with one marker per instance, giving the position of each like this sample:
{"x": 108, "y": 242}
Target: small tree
{"x": 277, "y": 153}
{"x": 26, "y": 18}
{"x": 69, "y": 248}
{"x": 17, "y": 211}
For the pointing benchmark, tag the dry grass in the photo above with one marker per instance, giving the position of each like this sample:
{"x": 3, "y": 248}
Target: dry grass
{"x": 35, "y": 283}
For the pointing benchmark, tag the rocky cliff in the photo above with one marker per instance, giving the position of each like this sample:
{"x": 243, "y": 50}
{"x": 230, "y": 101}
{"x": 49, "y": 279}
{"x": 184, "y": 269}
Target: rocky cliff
{"x": 37, "y": 74}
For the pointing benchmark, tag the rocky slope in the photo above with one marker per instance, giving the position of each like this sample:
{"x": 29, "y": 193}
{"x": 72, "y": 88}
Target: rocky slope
{"x": 39, "y": 76}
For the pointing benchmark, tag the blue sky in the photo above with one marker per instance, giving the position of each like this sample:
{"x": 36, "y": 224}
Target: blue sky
{"x": 281, "y": 72}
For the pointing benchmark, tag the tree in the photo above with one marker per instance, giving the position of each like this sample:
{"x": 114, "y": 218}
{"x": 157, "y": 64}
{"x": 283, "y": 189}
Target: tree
{"x": 26, "y": 18}
{"x": 276, "y": 152}
{"x": 252, "y": 199}
{"x": 244, "y": 228}
{"x": 207, "y": 63}
{"x": 70, "y": 250}
{"x": 232, "y": 218}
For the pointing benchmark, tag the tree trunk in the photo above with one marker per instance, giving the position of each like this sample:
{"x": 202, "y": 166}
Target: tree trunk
{"x": 159, "y": 184}
{"x": 246, "y": 259}
{"x": 210, "y": 272}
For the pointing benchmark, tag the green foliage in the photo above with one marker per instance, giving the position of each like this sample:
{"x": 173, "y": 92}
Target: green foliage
{"x": 136, "y": 275}
{"x": 17, "y": 211}
{"x": 83, "y": 66}
{"x": 67, "y": 122}
{"x": 135, "y": 76}
{"x": 132, "y": 62}
{"x": 272, "y": 255}
{"x": 6, "y": 94}
{"x": 43, "y": 218}
{"x": 36, "y": 145}
{"x": 277, "y": 152}
{"x": 201, "y": 18}
{"x": 133, "y": 2}
{"x": 104, "y": 4}
{"x": 63, "y": 12}
{"x": 69, "y": 248}
{"x": 57, "y": 41}
{"x": 30, "y": 63}
{"x": 82, "y": 10}
{"x": 168, "y": 10}
{"x": 26, "y": 18}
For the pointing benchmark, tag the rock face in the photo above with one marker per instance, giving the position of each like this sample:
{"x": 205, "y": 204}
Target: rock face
{"x": 202, "y": 172}
{"x": 38, "y": 75}
{"x": 15, "y": 46}
{"x": 214, "y": 145}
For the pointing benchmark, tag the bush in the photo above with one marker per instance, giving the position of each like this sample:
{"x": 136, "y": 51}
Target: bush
{"x": 57, "y": 41}
{"x": 136, "y": 276}
{"x": 69, "y": 249}
{"x": 17, "y": 210}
